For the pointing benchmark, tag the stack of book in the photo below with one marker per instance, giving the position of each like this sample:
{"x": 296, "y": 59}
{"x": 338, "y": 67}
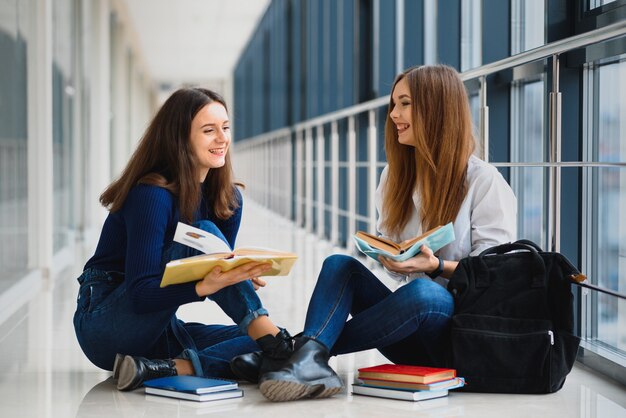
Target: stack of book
{"x": 411, "y": 383}
{"x": 193, "y": 388}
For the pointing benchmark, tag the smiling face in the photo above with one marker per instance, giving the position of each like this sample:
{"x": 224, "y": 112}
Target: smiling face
{"x": 210, "y": 138}
{"x": 402, "y": 112}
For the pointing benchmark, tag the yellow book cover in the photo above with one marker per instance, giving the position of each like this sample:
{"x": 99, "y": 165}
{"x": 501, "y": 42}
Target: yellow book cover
{"x": 219, "y": 254}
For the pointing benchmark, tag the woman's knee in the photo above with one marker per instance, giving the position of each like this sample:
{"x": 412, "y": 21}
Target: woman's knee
{"x": 339, "y": 266}
{"x": 341, "y": 262}
{"x": 425, "y": 294}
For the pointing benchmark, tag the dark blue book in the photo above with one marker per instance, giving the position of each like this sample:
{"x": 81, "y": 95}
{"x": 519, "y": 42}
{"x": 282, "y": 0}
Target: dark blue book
{"x": 191, "y": 384}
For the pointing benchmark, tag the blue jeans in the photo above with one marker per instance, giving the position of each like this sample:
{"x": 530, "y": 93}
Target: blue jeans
{"x": 106, "y": 323}
{"x": 408, "y": 326}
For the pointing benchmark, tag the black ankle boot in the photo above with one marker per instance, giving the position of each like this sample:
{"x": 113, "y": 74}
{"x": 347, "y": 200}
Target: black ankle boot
{"x": 276, "y": 349}
{"x": 305, "y": 375}
{"x": 133, "y": 371}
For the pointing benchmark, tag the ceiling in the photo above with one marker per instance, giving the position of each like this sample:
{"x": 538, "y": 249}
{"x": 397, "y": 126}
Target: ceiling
{"x": 193, "y": 41}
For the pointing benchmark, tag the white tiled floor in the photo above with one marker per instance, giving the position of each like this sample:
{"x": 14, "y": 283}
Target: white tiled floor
{"x": 43, "y": 373}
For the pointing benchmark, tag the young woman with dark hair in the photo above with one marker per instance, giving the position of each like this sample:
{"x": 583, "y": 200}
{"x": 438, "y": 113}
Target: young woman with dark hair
{"x": 124, "y": 321}
{"x": 432, "y": 178}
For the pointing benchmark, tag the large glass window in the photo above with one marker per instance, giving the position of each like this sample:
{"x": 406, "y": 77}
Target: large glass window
{"x": 14, "y": 18}
{"x": 606, "y": 199}
{"x": 527, "y": 25}
{"x": 597, "y": 3}
{"x": 527, "y": 123}
{"x": 471, "y": 51}
{"x": 529, "y": 183}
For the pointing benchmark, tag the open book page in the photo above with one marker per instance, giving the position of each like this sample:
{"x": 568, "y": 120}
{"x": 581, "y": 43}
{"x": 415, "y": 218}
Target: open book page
{"x": 199, "y": 239}
{"x": 219, "y": 254}
{"x": 435, "y": 239}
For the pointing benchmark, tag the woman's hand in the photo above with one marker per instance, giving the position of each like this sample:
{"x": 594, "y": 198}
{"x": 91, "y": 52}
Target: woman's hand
{"x": 216, "y": 279}
{"x": 424, "y": 262}
{"x": 258, "y": 283}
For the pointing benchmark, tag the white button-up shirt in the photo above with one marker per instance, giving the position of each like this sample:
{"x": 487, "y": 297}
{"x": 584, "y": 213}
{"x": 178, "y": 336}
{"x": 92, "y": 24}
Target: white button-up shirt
{"x": 487, "y": 216}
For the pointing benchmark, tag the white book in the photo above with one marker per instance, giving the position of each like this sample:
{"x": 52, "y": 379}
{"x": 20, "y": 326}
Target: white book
{"x": 407, "y": 395}
{"x": 228, "y": 394}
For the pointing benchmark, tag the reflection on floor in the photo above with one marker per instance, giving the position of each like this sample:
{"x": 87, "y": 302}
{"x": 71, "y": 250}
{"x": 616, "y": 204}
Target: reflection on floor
{"x": 44, "y": 374}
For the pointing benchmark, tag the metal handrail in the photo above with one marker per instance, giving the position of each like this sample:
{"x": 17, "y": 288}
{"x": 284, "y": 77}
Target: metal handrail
{"x": 304, "y": 136}
{"x": 555, "y": 48}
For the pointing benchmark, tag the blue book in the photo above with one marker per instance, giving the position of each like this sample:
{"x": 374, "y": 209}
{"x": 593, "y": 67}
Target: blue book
{"x": 373, "y": 246}
{"x": 191, "y": 384}
{"x": 193, "y": 388}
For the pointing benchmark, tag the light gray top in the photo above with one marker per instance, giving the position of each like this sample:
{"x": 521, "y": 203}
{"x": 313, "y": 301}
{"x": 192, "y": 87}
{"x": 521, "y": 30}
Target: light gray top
{"x": 487, "y": 216}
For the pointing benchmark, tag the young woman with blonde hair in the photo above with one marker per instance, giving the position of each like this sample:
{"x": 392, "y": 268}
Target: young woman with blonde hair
{"x": 432, "y": 178}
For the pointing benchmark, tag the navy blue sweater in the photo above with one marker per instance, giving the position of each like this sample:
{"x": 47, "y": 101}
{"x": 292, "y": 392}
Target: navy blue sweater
{"x": 133, "y": 240}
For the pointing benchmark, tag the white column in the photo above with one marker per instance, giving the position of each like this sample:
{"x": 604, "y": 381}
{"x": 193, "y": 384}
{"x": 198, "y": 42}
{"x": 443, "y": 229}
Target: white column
{"x": 40, "y": 153}
{"x": 99, "y": 157}
{"x": 122, "y": 89}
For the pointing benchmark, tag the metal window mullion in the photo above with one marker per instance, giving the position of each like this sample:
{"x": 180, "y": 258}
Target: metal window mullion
{"x": 334, "y": 183}
{"x": 399, "y": 36}
{"x": 351, "y": 182}
{"x": 299, "y": 193}
{"x": 265, "y": 175}
{"x": 484, "y": 118}
{"x": 288, "y": 176}
{"x": 554, "y": 176}
{"x": 272, "y": 160}
{"x": 321, "y": 167}
{"x": 372, "y": 153}
{"x": 308, "y": 178}
{"x": 586, "y": 313}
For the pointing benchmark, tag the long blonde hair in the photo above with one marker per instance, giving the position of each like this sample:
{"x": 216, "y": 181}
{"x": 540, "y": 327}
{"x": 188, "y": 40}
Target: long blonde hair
{"x": 437, "y": 167}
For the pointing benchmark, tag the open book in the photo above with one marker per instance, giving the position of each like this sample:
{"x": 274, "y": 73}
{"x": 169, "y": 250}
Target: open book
{"x": 373, "y": 246}
{"x": 217, "y": 253}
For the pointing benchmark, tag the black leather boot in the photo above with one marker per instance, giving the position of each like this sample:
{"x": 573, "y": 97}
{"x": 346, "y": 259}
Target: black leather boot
{"x": 116, "y": 365}
{"x": 276, "y": 349}
{"x": 305, "y": 375}
{"x": 133, "y": 371}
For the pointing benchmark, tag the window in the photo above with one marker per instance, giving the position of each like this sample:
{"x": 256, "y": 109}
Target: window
{"x": 527, "y": 123}
{"x": 471, "y": 39}
{"x": 14, "y": 21}
{"x": 593, "y": 4}
{"x": 527, "y": 25}
{"x": 529, "y": 183}
{"x": 605, "y": 246}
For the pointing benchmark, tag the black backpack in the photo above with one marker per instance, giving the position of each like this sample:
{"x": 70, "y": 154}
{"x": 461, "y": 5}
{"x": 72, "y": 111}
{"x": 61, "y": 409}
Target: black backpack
{"x": 512, "y": 331}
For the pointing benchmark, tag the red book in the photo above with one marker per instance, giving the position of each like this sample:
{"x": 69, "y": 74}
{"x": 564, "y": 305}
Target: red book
{"x": 400, "y": 373}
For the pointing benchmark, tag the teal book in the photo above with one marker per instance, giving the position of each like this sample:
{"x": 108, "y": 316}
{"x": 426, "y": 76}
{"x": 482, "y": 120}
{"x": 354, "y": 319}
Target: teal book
{"x": 373, "y": 246}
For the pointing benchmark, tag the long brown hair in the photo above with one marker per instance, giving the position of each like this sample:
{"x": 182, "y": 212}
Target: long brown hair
{"x": 437, "y": 166}
{"x": 164, "y": 158}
